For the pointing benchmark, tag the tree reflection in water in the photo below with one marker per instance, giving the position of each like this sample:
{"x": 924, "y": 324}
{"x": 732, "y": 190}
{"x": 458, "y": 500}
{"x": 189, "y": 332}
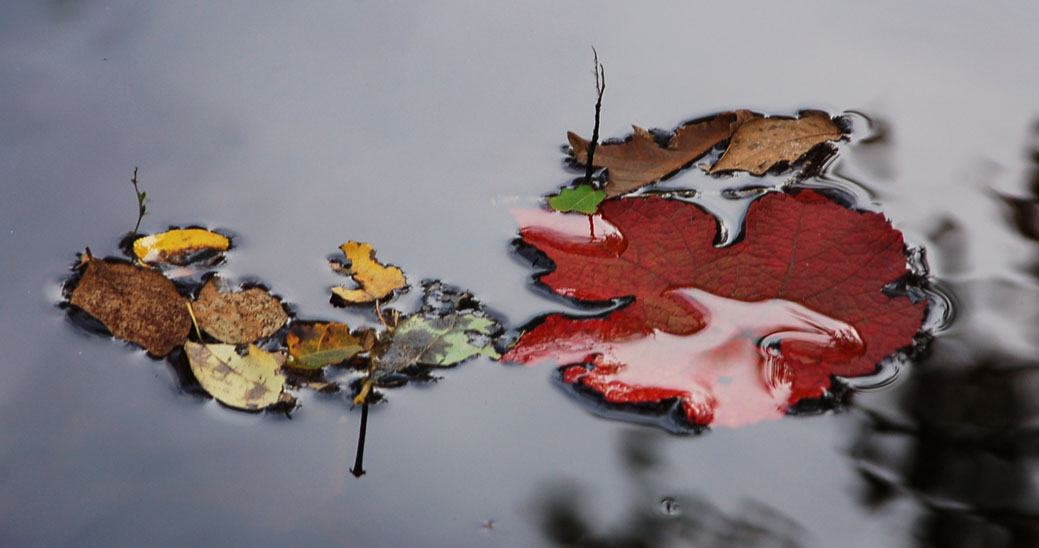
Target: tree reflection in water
{"x": 654, "y": 520}
{"x": 962, "y": 437}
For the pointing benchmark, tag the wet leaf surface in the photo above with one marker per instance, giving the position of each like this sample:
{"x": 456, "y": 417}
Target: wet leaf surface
{"x": 583, "y": 199}
{"x": 238, "y": 316}
{"x": 179, "y": 246}
{"x": 735, "y": 334}
{"x": 136, "y": 304}
{"x": 761, "y": 143}
{"x": 640, "y": 160}
{"x": 450, "y": 328}
{"x": 315, "y": 345}
{"x": 250, "y": 381}
{"x": 376, "y": 281}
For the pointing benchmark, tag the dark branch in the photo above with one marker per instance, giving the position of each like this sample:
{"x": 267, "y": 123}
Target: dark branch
{"x": 600, "y": 87}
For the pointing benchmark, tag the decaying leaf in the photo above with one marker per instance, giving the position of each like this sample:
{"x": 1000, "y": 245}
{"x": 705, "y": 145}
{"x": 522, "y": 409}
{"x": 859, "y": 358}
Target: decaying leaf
{"x": 375, "y": 280}
{"x": 179, "y": 246}
{"x": 761, "y": 143}
{"x": 238, "y": 317}
{"x": 583, "y": 199}
{"x": 451, "y": 327}
{"x": 640, "y": 160}
{"x": 315, "y": 345}
{"x": 136, "y": 304}
{"x": 251, "y": 381}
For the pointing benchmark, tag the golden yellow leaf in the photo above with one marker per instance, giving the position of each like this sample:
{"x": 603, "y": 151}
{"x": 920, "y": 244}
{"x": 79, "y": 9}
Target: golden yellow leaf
{"x": 253, "y": 381}
{"x": 178, "y": 246}
{"x": 760, "y": 143}
{"x": 375, "y": 280}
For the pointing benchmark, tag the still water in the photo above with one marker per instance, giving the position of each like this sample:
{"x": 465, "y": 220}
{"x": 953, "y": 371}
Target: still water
{"x": 418, "y": 128}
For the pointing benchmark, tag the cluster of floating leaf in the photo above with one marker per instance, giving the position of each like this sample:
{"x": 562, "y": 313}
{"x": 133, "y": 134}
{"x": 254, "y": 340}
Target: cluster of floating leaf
{"x": 242, "y": 346}
{"x": 702, "y": 334}
{"x": 699, "y": 334}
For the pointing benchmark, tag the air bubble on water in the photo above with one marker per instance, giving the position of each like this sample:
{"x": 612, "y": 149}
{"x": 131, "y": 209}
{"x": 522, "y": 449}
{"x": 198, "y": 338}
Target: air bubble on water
{"x": 670, "y": 507}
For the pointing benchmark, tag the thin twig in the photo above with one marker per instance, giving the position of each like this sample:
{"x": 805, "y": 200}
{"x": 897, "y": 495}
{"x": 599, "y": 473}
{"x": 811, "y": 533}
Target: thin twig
{"x": 142, "y": 197}
{"x": 600, "y": 87}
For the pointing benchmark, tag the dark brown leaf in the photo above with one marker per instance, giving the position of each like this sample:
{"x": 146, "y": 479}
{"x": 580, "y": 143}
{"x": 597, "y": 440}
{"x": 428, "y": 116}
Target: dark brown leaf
{"x": 136, "y": 304}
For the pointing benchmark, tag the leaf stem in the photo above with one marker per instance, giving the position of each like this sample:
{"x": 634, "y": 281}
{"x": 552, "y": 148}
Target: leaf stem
{"x": 193, "y": 320}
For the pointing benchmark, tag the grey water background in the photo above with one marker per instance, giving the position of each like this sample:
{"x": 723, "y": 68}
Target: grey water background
{"x": 416, "y": 127}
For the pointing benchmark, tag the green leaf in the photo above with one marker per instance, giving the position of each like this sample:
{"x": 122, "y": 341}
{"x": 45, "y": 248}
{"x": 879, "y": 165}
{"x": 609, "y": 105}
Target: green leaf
{"x": 583, "y": 199}
{"x": 451, "y": 328}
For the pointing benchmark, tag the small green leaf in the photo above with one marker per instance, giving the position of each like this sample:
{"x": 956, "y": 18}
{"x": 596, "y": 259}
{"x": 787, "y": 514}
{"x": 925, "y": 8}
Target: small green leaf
{"x": 583, "y": 199}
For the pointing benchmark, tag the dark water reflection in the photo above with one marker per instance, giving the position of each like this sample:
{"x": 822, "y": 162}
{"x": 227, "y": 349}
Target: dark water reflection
{"x": 417, "y": 128}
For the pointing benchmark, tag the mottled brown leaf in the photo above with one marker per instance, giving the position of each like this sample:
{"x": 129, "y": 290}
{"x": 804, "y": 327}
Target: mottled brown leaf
{"x": 238, "y": 317}
{"x": 136, "y": 304}
{"x": 640, "y": 160}
{"x": 761, "y": 143}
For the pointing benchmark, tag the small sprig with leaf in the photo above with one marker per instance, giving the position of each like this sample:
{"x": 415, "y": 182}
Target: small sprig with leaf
{"x": 142, "y": 198}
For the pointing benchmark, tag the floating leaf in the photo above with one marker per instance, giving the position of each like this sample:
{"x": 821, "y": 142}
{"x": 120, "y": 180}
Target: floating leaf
{"x": 451, "y": 327}
{"x": 179, "y": 246}
{"x": 238, "y": 317}
{"x": 735, "y": 334}
{"x": 376, "y": 281}
{"x": 136, "y": 304}
{"x": 251, "y": 381}
{"x": 640, "y": 161}
{"x": 583, "y": 199}
{"x": 315, "y": 345}
{"x": 761, "y": 143}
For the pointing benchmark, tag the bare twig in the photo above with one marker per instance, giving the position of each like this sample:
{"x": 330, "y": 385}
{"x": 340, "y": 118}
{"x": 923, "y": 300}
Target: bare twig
{"x": 600, "y": 87}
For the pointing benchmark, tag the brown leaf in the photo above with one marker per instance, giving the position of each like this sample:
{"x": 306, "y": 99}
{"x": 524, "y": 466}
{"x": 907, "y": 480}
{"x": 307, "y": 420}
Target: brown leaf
{"x": 238, "y": 317}
{"x": 761, "y": 143}
{"x": 640, "y": 160}
{"x": 136, "y": 304}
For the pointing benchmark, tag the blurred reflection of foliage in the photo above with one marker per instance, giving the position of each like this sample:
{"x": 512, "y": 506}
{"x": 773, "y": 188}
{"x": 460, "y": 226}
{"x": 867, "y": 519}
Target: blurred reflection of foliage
{"x": 962, "y": 436}
{"x": 657, "y": 518}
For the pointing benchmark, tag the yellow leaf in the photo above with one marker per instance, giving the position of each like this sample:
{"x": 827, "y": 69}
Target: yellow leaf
{"x": 178, "y": 246}
{"x": 253, "y": 381}
{"x": 375, "y": 280}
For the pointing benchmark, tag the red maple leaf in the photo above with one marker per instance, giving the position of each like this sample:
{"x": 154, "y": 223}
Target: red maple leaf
{"x": 737, "y": 334}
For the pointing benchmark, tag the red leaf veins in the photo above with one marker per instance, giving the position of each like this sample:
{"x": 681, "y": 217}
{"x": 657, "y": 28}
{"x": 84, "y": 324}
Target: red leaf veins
{"x": 737, "y": 334}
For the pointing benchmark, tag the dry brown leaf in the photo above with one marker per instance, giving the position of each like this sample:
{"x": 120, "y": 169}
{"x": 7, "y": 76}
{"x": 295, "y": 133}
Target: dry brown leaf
{"x": 640, "y": 161}
{"x": 136, "y": 304}
{"x": 376, "y": 280}
{"x": 238, "y": 317}
{"x": 761, "y": 143}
